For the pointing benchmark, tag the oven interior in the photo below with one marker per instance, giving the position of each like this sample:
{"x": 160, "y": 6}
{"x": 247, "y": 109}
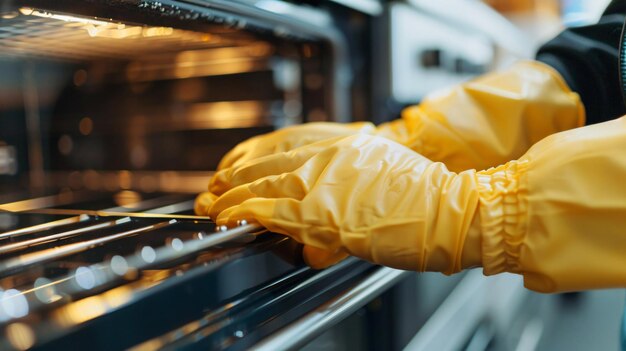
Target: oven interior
{"x": 112, "y": 117}
{"x": 149, "y": 102}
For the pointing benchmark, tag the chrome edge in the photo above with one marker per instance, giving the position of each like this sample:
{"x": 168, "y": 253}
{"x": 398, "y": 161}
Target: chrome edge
{"x": 332, "y": 312}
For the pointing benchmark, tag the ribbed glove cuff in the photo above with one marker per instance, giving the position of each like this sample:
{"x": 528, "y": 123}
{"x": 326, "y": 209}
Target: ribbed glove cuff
{"x": 503, "y": 216}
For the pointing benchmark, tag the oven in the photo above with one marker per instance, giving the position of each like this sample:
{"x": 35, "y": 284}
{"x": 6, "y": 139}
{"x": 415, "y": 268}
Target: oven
{"x": 112, "y": 116}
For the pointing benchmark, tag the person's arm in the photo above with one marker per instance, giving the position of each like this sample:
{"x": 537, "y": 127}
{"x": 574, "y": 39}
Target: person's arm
{"x": 587, "y": 58}
{"x": 478, "y": 124}
{"x": 557, "y": 215}
{"x": 489, "y": 120}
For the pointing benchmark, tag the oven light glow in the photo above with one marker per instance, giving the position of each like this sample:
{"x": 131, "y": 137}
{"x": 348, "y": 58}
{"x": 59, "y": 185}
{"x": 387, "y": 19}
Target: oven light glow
{"x": 9, "y": 15}
{"x": 20, "y": 335}
{"x": 103, "y": 29}
{"x": 81, "y": 311}
{"x": 32, "y": 12}
{"x": 91, "y": 307}
{"x": 226, "y": 114}
{"x": 157, "y": 31}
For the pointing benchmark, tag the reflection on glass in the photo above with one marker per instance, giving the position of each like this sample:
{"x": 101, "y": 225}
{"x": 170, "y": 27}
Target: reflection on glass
{"x": 226, "y": 114}
{"x": 65, "y": 144}
{"x": 177, "y": 244}
{"x": 45, "y": 291}
{"x": 92, "y": 307}
{"x": 125, "y": 181}
{"x": 127, "y": 198}
{"x": 14, "y": 304}
{"x": 119, "y": 265}
{"x": 20, "y": 336}
{"x": 117, "y": 297}
{"x": 85, "y": 278}
{"x": 85, "y": 126}
{"x": 80, "y": 77}
{"x": 97, "y": 28}
{"x": 9, "y": 15}
{"x": 148, "y": 254}
{"x": 81, "y": 311}
{"x": 33, "y": 12}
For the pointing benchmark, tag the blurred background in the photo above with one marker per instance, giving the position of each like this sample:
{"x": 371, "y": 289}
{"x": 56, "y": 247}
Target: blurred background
{"x": 451, "y": 40}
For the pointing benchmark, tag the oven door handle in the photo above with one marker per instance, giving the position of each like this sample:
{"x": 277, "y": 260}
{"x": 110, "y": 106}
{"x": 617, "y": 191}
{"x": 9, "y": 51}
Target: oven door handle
{"x": 316, "y": 322}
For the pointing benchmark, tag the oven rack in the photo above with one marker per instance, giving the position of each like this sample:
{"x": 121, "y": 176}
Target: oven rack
{"x": 175, "y": 280}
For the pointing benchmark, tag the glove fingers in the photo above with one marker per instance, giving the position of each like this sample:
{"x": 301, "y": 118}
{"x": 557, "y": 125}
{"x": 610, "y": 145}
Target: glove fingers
{"x": 203, "y": 203}
{"x": 291, "y": 185}
{"x": 230, "y": 178}
{"x": 290, "y": 138}
{"x": 232, "y": 157}
{"x": 283, "y": 216}
{"x": 278, "y": 163}
{"x": 320, "y": 259}
{"x": 230, "y": 199}
{"x": 252, "y": 148}
{"x": 257, "y": 210}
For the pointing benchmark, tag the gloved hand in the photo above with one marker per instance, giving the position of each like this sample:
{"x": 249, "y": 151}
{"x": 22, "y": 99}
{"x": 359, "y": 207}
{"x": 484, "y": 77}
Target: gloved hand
{"x": 479, "y": 124}
{"x": 284, "y": 140}
{"x": 557, "y": 215}
{"x": 290, "y": 138}
{"x": 364, "y": 195}
{"x": 313, "y": 256}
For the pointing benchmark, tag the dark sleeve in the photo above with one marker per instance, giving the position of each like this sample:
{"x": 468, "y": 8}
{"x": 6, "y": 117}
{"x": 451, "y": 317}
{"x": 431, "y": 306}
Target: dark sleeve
{"x": 587, "y": 57}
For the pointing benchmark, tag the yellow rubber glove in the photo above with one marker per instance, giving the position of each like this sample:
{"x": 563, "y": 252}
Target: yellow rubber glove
{"x": 338, "y": 195}
{"x": 557, "y": 215}
{"x": 290, "y": 138}
{"x": 490, "y": 120}
{"x": 479, "y": 124}
{"x": 313, "y": 256}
